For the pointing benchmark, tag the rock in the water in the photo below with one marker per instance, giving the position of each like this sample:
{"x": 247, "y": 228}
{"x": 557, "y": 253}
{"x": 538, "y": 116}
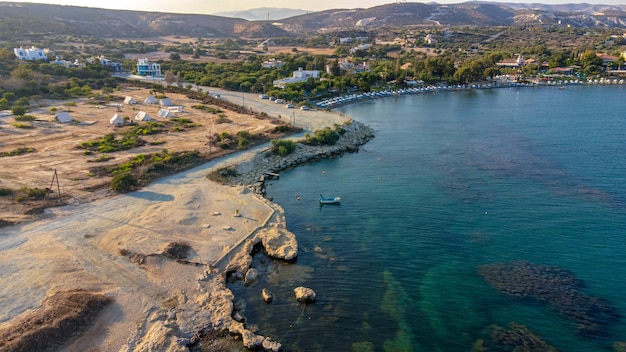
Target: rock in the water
{"x": 251, "y": 276}
{"x": 304, "y": 294}
{"x": 267, "y": 295}
{"x": 251, "y": 340}
{"x": 280, "y": 244}
{"x": 269, "y": 345}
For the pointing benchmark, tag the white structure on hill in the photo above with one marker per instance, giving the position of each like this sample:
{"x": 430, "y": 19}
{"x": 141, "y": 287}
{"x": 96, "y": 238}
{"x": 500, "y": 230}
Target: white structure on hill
{"x": 150, "y": 99}
{"x": 166, "y": 102}
{"x": 63, "y": 116}
{"x": 129, "y": 100}
{"x": 297, "y": 76}
{"x": 272, "y": 63}
{"x": 116, "y": 120}
{"x": 32, "y": 53}
{"x": 164, "y": 113}
{"x": 143, "y": 116}
{"x": 148, "y": 69}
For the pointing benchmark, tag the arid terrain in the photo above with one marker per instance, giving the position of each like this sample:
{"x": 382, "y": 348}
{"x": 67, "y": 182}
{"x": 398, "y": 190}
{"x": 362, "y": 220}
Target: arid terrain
{"x": 56, "y": 145}
{"x": 142, "y": 271}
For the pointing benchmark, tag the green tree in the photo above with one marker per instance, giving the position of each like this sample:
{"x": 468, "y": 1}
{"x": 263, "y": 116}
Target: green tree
{"x": 18, "y": 110}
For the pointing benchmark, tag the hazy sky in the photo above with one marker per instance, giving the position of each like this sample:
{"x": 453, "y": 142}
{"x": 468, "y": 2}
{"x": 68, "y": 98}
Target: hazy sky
{"x": 213, "y": 6}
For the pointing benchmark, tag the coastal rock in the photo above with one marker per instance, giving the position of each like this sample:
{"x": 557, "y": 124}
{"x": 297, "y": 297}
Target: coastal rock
{"x": 267, "y": 295}
{"x": 280, "y": 243}
{"x": 269, "y": 345}
{"x": 251, "y": 276}
{"x": 252, "y": 340}
{"x": 304, "y": 294}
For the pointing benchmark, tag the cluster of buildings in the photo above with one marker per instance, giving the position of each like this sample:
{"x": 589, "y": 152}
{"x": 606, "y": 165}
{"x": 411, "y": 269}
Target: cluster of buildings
{"x": 33, "y": 53}
{"x": 607, "y": 62}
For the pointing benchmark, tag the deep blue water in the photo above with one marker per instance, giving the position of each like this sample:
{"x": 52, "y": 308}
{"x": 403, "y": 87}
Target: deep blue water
{"x": 454, "y": 181}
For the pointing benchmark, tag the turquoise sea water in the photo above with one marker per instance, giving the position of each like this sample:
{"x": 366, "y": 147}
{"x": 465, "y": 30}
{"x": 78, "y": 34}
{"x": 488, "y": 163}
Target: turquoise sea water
{"x": 453, "y": 181}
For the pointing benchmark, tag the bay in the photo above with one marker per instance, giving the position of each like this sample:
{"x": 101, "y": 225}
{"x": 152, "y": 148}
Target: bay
{"x": 453, "y": 181}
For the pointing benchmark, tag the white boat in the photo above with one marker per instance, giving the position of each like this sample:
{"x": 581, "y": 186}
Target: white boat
{"x": 329, "y": 200}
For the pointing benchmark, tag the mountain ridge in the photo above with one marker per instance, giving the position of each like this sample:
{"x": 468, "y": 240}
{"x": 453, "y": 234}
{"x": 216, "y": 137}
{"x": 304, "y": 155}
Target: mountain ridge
{"x": 22, "y": 18}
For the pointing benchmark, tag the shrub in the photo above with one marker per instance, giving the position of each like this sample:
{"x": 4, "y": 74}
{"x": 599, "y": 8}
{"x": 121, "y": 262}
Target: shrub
{"x": 22, "y": 125}
{"x": 325, "y": 136}
{"x": 18, "y": 110}
{"x": 283, "y": 147}
{"x": 5, "y": 191}
{"x": 25, "y": 118}
{"x": 124, "y": 182}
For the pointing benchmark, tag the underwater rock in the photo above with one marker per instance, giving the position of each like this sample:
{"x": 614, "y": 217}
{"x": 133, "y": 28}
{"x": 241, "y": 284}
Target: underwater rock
{"x": 518, "y": 338}
{"x": 556, "y": 287}
{"x": 304, "y": 294}
{"x": 267, "y": 295}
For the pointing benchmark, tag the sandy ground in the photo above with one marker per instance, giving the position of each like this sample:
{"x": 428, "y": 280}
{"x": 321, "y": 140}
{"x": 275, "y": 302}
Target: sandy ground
{"x": 80, "y": 246}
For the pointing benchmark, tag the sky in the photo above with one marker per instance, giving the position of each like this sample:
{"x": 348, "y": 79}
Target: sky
{"x": 215, "y": 6}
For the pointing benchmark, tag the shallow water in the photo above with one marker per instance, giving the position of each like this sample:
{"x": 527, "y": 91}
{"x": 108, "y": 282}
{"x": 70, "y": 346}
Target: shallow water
{"x": 453, "y": 181}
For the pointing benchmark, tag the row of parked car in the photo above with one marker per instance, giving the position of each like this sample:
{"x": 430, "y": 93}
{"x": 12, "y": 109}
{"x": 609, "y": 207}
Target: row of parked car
{"x": 282, "y": 101}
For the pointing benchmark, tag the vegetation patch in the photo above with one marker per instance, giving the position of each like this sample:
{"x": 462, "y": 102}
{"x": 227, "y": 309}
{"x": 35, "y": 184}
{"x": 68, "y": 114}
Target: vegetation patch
{"x": 18, "y": 151}
{"x": 208, "y": 109}
{"x": 325, "y": 136}
{"x": 25, "y": 118}
{"x": 5, "y": 192}
{"x": 109, "y": 143}
{"x": 240, "y": 140}
{"x": 25, "y": 193}
{"x": 143, "y": 168}
{"x": 283, "y": 147}
{"x": 62, "y": 316}
{"x": 22, "y": 125}
{"x": 223, "y": 175}
{"x": 101, "y": 158}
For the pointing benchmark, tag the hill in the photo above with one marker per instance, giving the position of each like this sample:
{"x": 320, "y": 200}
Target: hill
{"x": 263, "y": 14}
{"x": 20, "y": 19}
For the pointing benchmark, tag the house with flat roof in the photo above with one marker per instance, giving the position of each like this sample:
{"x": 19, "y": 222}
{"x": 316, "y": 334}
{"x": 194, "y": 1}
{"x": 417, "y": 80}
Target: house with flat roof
{"x": 32, "y": 53}
{"x": 272, "y": 63}
{"x": 297, "y": 76}
{"x": 148, "y": 69}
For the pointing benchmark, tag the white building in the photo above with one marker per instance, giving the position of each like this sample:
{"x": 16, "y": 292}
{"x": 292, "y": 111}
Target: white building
{"x": 147, "y": 68}
{"x": 272, "y": 63}
{"x": 32, "y": 53}
{"x": 297, "y": 76}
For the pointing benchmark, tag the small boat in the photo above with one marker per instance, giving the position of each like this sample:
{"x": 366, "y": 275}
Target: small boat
{"x": 329, "y": 200}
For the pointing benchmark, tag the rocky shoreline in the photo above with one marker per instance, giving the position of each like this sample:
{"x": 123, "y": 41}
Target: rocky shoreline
{"x": 277, "y": 241}
{"x": 253, "y": 173}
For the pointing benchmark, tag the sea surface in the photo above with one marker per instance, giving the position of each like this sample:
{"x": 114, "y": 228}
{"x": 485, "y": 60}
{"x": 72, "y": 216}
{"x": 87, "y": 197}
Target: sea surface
{"x": 453, "y": 182}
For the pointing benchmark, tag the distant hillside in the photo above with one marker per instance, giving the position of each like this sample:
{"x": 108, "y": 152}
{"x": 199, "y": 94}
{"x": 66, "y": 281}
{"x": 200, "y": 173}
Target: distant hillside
{"x": 22, "y": 18}
{"x": 19, "y": 20}
{"x": 263, "y": 14}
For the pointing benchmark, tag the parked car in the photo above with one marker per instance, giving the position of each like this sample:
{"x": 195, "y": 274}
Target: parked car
{"x": 263, "y": 96}
{"x": 289, "y": 106}
{"x": 280, "y": 101}
{"x": 304, "y": 107}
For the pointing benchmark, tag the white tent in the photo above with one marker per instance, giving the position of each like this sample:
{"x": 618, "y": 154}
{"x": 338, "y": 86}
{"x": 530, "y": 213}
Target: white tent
{"x": 63, "y": 116}
{"x": 150, "y": 99}
{"x": 166, "y": 102}
{"x": 129, "y": 100}
{"x": 164, "y": 113}
{"x": 176, "y": 108}
{"x": 117, "y": 120}
{"x": 143, "y": 116}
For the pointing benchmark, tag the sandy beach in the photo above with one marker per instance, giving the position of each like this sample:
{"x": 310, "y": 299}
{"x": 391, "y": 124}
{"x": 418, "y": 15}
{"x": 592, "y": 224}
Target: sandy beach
{"x": 121, "y": 246}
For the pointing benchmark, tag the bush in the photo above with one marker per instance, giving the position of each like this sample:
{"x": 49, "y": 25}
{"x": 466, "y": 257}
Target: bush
{"x": 5, "y": 192}
{"x": 25, "y": 118}
{"x": 18, "y": 110}
{"x": 324, "y": 136}
{"x": 283, "y": 147}
{"x": 124, "y": 182}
